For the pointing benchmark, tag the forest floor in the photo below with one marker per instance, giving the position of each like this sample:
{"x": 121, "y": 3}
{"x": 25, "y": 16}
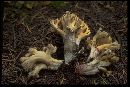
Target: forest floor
{"x": 34, "y": 30}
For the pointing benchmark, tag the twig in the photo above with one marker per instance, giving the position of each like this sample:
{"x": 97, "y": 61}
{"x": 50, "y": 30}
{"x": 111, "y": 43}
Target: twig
{"x": 14, "y": 37}
{"x": 18, "y": 55}
{"x": 7, "y": 60}
{"x": 11, "y": 54}
{"x": 122, "y": 30}
{"x": 35, "y": 16}
{"x": 115, "y": 79}
{"x": 86, "y": 10}
{"x": 103, "y": 79}
{"x": 27, "y": 27}
{"x": 100, "y": 24}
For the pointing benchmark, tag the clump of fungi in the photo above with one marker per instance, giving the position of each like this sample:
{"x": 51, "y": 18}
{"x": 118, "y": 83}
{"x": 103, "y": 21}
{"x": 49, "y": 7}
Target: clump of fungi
{"x": 101, "y": 55}
{"x": 73, "y": 30}
{"x": 36, "y": 60}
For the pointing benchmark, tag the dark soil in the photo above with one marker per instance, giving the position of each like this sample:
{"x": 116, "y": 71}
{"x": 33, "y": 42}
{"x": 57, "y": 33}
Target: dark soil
{"x": 19, "y": 34}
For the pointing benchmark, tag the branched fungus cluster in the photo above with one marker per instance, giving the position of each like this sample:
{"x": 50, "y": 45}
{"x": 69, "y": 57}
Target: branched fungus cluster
{"x": 101, "y": 55}
{"x": 73, "y": 30}
{"x": 36, "y": 60}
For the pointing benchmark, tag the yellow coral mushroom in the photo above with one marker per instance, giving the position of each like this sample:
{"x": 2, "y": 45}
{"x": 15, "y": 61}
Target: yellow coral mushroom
{"x": 73, "y": 30}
